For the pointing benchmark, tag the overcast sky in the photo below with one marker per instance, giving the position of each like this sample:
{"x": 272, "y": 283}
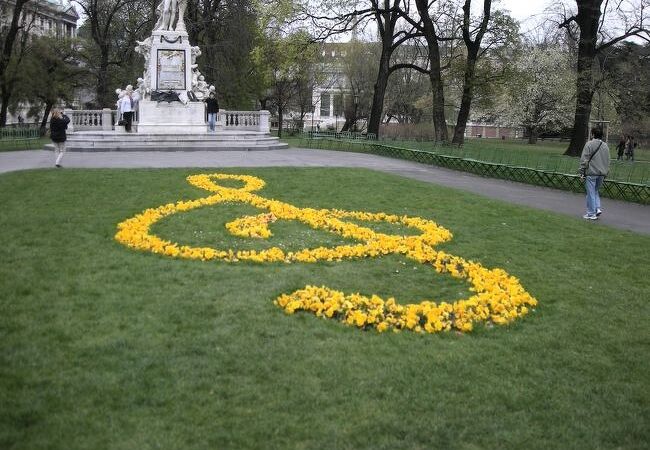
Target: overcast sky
{"x": 523, "y": 9}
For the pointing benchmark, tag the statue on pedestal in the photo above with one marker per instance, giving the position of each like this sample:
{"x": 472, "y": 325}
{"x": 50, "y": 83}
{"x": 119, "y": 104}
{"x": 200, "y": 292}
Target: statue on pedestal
{"x": 171, "y": 15}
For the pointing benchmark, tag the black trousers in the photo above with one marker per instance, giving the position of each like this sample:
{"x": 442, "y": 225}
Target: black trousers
{"x": 128, "y": 118}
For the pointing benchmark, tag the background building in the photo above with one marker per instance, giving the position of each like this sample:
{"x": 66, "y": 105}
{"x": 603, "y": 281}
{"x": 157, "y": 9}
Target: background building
{"x": 55, "y": 18}
{"x": 43, "y": 17}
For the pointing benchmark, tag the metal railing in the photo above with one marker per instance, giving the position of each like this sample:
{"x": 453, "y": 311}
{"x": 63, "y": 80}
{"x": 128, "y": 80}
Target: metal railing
{"x": 347, "y": 135}
{"x": 622, "y": 190}
{"x": 22, "y": 137}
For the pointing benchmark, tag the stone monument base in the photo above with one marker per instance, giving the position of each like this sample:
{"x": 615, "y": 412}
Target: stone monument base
{"x": 171, "y": 118}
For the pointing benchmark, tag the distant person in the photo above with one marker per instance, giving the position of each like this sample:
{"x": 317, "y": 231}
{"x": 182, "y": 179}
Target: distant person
{"x": 127, "y": 108}
{"x": 58, "y": 124}
{"x": 620, "y": 149}
{"x": 594, "y": 166}
{"x": 629, "y": 148}
{"x": 20, "y": 119}
{"x": 213, "y": 109}
{"x": 633, "y": 149}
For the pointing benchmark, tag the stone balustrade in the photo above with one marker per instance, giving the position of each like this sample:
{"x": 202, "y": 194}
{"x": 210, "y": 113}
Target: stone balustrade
{"x": 90, "y": 120}
{"x": 105, "y": 120}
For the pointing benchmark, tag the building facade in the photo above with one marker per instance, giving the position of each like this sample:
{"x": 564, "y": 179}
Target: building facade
{"x": 56, "y": 18}
{"x": 43, "y": 17}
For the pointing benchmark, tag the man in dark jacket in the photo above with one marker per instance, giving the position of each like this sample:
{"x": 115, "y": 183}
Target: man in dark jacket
{"x": 594, "y": 166}
{"x": 58, "y": 124}
{"x": 213, "y": 109}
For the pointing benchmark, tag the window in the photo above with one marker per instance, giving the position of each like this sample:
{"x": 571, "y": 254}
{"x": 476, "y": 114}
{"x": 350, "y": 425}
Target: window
{"x": 325, "y": 105}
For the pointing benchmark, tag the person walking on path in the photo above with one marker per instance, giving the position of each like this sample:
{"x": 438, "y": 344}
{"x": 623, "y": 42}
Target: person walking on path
{"x": 594, "y": 166}
{"x": 58, "y": 124}
{"x": 213, "y": 110}
{"x": 127, "y": 107}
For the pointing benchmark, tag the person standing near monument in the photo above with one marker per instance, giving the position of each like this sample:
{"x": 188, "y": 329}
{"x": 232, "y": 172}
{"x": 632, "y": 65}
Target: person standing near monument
{"x": 127, "y": 107}
{"x": 58, "y": 124}
{"x": 213, "y": 109}
{"x": 594, "y": 166}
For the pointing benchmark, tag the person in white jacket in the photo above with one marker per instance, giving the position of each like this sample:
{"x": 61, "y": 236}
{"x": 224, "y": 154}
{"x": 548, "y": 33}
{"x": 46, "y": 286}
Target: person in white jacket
{"x": 127, "y": 107}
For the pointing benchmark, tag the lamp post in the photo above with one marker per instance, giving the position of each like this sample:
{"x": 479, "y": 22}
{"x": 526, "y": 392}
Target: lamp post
{"x": 336, "y": 127}
{"x": 356, "y": 105}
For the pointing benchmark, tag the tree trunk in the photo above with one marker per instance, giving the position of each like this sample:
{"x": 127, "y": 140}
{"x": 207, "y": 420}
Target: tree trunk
{"x": 379, "y": 93}
{"x": 280, "y": 119}
{"x": 466, "y": 102}
{"x": 473, "y": 47}
{"x": 435, "y": 76}
{"x": 46, "y": 114}
{"x": 7, "y": 50}
{"x": 102, "y": 81}
{"x": 587, "y": 19}
{"x": 4, "y": 97}
{"x": 533, "y": 134}
{"x": 439, "y": 120}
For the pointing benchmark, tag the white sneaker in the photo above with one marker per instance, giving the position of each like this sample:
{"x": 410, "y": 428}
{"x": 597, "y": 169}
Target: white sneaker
{"x": 590, "y": 217}
{"x": 599, "y": 212}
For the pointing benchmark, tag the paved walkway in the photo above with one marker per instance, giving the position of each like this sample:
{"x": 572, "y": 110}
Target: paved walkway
{"x": 618, "y": 214}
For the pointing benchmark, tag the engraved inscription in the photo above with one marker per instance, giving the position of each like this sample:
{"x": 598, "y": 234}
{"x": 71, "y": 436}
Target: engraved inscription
{"x": 171, "y": 70}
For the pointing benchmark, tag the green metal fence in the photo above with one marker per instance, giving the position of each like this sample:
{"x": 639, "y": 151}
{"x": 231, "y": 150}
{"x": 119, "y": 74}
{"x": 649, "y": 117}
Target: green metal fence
{"x": 16, "y": 137}
{"x": 558, "y": 177}
{"x": 347, "y": 135}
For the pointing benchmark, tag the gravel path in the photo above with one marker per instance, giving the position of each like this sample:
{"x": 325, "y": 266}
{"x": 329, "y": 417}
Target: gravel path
{"x": 618, "y": 214}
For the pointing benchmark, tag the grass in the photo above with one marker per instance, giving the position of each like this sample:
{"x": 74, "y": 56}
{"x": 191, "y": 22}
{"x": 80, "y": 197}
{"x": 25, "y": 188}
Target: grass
{"x": 546, "y": 155}
{"x": 107, "y": 348}
{"x": 23, "y": 144}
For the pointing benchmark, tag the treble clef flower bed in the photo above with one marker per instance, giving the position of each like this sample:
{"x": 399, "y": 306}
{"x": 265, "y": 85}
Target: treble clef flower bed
{"x": 497, "y": 297}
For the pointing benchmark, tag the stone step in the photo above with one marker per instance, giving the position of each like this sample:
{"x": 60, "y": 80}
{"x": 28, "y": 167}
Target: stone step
{"x": 220, "y": 141}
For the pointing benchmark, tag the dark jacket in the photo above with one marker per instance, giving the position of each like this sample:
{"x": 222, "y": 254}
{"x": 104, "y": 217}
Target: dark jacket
{"x": 58, "y": 127}
{"x": 213, "y": 105}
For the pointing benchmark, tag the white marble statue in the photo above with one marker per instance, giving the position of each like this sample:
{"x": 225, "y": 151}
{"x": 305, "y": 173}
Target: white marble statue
{"x": 196, "y": 73}
{"x": 144, "y": 49}
{"x": 171, "y": 15}
{"x": 201, "y": 89}
{"x": 143, "y": 88}
{"x": 195, "y": 53}
{"x": 120, "y": 93}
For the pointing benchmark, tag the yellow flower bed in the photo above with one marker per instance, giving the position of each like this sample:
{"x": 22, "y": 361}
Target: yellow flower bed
{"x": 497, "y": 297}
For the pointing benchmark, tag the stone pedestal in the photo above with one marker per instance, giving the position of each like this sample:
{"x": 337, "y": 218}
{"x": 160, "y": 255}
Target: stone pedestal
{"x": 172, "y": 118}
{"x": 170, "y": 63}
{"x": 170, "y": 69}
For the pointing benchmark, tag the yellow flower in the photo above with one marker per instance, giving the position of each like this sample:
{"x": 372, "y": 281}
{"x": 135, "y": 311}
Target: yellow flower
{"x": 498, "y": 297}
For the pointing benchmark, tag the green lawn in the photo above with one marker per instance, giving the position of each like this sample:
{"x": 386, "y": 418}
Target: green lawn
{"x": 25, "y": 144}
{"x": 545, "y": 155}
{"x": 104, "y": 347}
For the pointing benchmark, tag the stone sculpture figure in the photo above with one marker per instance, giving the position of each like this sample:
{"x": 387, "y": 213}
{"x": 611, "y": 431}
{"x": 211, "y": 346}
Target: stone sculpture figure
{"x": 171, "y": 15}
{"x": 201, "y": 89}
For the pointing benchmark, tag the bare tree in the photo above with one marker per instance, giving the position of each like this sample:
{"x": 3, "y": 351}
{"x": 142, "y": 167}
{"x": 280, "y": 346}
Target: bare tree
{"x": 473, "y": 45}
{"x": 429, "y": 24}
{"x": 393, "y": 30}
{"x": 102, "y": 16}
{"x": 594, "y": 38}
